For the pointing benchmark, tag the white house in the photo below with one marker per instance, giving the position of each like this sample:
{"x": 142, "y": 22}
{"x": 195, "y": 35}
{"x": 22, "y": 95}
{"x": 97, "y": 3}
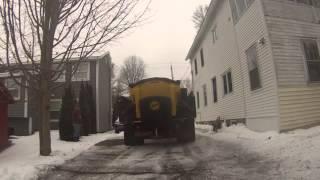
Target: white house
{"x": 258, "y": 61}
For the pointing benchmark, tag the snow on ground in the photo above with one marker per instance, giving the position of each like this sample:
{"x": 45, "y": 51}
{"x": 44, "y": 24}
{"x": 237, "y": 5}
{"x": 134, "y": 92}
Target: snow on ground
{"x": 298, "y": 151}
{"x": 21, "y": 161}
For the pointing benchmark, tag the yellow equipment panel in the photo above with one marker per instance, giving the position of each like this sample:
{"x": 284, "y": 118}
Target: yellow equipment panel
{"x": 155, "y": 87}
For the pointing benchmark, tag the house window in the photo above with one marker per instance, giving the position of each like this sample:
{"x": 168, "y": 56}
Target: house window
{"x": 59, "y": 71}
{"x": 55, "y": 107}
{"x": 227, "y": 82}
{"x": 205, "y": 97}
{"x": 214, "y": 90}
{"x": 239, "y": 7}
{"x": 195, "y": 66}
{"x": 82, "y": 73}
{"x": 198, "y": 100}
{"x": 311, "y": 51}
{"x": 214, "y": 34}
{"x": 252, "y": 60}
{"x": 315, "y": 3}
{"x": 202, "y": 57}
{"x": 14, "y": 88}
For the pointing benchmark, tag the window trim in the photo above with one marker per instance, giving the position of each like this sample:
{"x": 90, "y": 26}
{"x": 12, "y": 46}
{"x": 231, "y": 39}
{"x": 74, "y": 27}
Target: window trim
{"x": 62, "y": 77}
{"x": 73, "y": 79}
{"x": 258, "y": 68}
{"x": 214, "y": 34}
{"x": 214, "y": 90}
{"x": 238, "y": 14}
{"x": 198, "y": 99}
{"x": 196, "y": 66}
{"x": 304, "y": 4}
{"x": 202, "y": 57}
{"x": 205, "y": 95}
{"x": 228, "y": 88}
{"x": 305, "y": 61}
{"x": 55, "y": 100}
{"x": 18, "y": 97}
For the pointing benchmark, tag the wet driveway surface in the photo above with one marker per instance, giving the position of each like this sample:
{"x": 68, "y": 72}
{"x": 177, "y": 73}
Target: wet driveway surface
{"x": 165, "y": 159}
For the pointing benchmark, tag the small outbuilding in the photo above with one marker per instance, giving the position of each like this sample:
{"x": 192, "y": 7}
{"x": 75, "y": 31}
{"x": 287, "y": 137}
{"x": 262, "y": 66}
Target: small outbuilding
{"x": 5, "y": 99}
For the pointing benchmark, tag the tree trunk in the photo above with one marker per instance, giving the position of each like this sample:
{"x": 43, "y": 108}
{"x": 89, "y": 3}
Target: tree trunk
{"x": 44, "y": 129}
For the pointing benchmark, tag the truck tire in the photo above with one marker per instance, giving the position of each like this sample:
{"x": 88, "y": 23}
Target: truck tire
{"x": 186, "y": 131}
{"x": 129, "y": 138}
{"x": 139, "y": 141}
{"x": 192, "y": 131}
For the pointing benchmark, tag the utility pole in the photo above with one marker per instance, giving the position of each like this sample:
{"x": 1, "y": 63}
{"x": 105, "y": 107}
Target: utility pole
{"x": 171, "y": 72}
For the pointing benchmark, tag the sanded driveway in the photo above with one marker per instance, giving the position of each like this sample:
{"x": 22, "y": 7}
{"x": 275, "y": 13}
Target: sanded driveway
{"x": 165, "y": 159}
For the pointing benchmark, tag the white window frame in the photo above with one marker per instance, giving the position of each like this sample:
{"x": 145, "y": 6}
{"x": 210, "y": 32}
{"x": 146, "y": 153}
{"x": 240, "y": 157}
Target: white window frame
{"x": 196, "y": 70}
{"x": 18, "y": 97}
{"x": 313, "y": 3}
{"x": 307, "y": 73}
{"x": 51, "y": 110}
{"x": 205, "y": 95}
{"x": 228, "y": 87}
{"x": 215, "y": 98}
{"x": 257, "y": 67}
{"x": 87, "y": 78}
{"x": 214, "y": 34}
{"x": 198, "y": 99}
{"x": 62, "y": 77}
{"x": 247, "y": 4}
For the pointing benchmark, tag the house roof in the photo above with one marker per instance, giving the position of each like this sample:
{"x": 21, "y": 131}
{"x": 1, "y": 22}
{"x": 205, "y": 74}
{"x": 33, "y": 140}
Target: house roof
{"x": 203, "y": 29}
{"x": 4, "y": 72}
{"x": 5, "y": 96}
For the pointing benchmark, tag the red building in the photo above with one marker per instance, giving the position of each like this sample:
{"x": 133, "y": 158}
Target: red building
{"x": 5, "y": 99}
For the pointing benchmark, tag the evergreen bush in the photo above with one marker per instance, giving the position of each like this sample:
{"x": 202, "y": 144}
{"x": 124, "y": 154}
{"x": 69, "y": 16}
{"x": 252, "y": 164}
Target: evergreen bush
{"x": 65, "y": 120}
{"x": 92, "y": 109}
{"x": 84, "y": 108}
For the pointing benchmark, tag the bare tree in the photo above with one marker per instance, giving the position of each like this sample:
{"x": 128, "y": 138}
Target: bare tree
{"x": 186, "y": 83}
{"x": 118, "y": 88}
{"x": 199, "y": 16}
{"x": 47, "y": 34}
{"x": 133, "y": 70}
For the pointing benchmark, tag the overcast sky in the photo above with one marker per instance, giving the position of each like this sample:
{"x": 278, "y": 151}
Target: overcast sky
{"x": 166, "y": 39}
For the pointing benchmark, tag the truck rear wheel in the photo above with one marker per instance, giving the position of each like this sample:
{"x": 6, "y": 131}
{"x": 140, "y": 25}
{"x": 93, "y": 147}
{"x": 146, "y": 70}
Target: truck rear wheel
{"x": 186, "y": 131}
{"x": 129, "y": 138}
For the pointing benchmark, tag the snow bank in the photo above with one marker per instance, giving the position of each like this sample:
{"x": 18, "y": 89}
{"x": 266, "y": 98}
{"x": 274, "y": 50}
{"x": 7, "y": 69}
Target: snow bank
{"x": 298, "y": 151}
{"x": 21, "y": 161}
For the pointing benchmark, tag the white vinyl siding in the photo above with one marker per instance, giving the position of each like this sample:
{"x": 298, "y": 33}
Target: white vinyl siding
{"x": 289, "y": 24}
{"x": 299, "y": 107}
{"x": 219, "y": 57}
{"x": 262, "y": 112}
